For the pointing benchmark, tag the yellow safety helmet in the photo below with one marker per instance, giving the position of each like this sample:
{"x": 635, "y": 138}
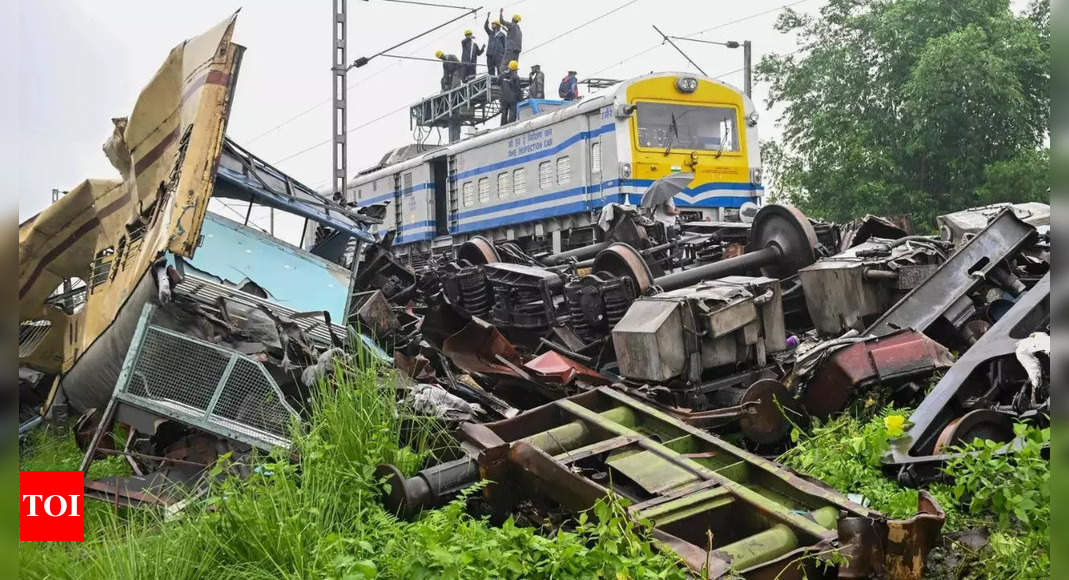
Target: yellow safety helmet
{"x": 467, "y": 33}
{"x": 513, "y": 65}
{"x": 439, "y": 54}
{"x": 515, "y": 17}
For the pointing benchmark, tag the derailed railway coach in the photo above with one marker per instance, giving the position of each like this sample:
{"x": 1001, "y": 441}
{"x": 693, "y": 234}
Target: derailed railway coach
{"x": 542, "y": 181}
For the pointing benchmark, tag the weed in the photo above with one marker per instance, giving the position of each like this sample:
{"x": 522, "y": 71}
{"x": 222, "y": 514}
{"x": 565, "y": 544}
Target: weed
{"x": 845, "y": 453}
{"x": 1013, "y": 489}
{"x": 321, "y": 516}
{"x": 1007, "y": 493}
{"x": 1008, "y": 485}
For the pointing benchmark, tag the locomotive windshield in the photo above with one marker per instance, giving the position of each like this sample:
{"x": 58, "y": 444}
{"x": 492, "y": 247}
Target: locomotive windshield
{"x": 673, "y": 126}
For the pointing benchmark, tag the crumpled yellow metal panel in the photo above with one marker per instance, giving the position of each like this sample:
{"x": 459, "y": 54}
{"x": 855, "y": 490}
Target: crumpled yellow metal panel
{"x": 166, "y": 152}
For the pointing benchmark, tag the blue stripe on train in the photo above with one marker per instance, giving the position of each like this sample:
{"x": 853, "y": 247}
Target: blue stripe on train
{"x": 718, "y": 201}
{"x": 580, "y": 136}
{"x": 580, "y": 207}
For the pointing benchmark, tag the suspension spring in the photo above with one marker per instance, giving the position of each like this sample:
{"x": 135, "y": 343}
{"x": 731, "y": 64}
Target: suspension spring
{"x": 474, "y": 294}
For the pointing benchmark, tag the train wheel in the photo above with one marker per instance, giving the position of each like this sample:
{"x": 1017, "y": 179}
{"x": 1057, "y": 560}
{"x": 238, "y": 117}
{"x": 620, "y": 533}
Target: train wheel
{"x": 621, "y": 259}
{"x": 981, "y": 423}
{"x": 790, "y": 232}
{"x": 478, "y": 251}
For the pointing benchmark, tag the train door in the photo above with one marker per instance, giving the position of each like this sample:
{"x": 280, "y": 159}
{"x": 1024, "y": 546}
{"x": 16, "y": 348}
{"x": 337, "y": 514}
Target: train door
{"x": 440, "y": 177}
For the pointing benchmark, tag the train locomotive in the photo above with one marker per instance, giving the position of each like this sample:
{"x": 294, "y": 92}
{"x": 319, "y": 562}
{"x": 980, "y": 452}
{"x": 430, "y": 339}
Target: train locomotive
{"x": 542, "y": 182}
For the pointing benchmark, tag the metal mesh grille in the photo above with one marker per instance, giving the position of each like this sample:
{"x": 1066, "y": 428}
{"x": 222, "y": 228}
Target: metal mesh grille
{"x": 248, "y": 398}
{"x": 176, "y": 371}
{"x": 208, "y": 386}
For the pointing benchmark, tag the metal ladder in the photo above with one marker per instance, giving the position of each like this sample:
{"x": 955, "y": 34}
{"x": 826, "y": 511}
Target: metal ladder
{"x": 454, "y": 198}
{"x": 398, "y": 211}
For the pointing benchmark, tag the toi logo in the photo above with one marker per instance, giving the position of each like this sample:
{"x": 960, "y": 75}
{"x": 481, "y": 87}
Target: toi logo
{"x": 51, "y": 506}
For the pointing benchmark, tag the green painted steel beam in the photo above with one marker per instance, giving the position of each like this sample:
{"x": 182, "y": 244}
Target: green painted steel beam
{"x": 773, "y": 542}
{"x": 575, "y": 434}
{"x": 772, "y": 508}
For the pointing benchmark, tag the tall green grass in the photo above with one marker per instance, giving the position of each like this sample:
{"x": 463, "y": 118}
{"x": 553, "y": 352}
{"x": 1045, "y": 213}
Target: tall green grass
{"x": 320, "y": 516}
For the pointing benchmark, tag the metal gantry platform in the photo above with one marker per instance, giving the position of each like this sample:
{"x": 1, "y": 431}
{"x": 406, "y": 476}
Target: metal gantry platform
{"x": 472, "y": 103}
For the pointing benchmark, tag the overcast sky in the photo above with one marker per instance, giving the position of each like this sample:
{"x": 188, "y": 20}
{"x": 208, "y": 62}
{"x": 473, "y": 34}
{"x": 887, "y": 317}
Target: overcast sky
{"x": 80, "y": 63}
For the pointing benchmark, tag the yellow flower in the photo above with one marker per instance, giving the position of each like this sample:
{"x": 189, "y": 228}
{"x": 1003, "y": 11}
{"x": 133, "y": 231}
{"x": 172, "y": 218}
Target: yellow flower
{"x": 895, "y": 425}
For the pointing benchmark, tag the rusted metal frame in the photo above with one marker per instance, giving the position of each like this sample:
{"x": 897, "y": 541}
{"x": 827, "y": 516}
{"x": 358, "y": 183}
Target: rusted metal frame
{"x": 897, "y": 356}
{"x": 966, "y": 268}
{"x": 131, "y": 434}
{"x": 119, "y": 497}
{"x": 773, "y": 510}
{"x": 595, "y": 448}
{"x": 150, "y": 457}
{"x": 769, "y": 468}
{"x": 996, "y": 342}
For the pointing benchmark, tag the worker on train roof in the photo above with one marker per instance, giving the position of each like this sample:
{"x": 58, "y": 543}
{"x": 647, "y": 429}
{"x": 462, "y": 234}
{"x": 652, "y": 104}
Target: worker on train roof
{"x": 469, "y": 54}
{"x": 513, "y": 37}
{"x": 569, "y": 87}
{"x": 451, "y": 73}
{"x": 510, "y": 93}
{"x": 495, "y": 45}
{"x": 536, "y": 83}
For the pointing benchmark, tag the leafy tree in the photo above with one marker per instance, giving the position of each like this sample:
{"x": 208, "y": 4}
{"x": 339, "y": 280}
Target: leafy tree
{"x": 910, "y": 106}
{"x": 1024, "y": 177}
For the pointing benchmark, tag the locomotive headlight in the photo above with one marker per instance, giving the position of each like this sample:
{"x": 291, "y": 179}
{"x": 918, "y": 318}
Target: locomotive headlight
{"x": 751, "y": 119}
{"x": 625, "y": 170}
{"x": 686, "y": 84}
{"x": 755, "y": 175}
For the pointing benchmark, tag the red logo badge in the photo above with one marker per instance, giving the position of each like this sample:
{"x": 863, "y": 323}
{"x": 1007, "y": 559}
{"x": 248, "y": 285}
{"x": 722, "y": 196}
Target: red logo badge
{"x": 52, "y": 506}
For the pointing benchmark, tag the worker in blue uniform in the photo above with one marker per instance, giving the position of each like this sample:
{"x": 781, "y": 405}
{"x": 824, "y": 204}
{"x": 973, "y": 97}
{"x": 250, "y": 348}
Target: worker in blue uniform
{"x": 510, "y": 93}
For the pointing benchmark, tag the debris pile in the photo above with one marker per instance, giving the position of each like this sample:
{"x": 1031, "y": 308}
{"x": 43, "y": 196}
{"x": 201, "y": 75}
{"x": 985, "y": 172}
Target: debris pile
{"x": 625, "y": 365}
{"x": 628, "y": 353}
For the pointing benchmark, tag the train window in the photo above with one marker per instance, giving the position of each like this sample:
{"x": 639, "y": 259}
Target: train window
{"x": 519, "y": 182}
{"x": 469, "y": 193}
{"x": 564, "y": 170}
{"x": 595, "y": 157}
{"x": 671, "y": 126}
{"x": 545, "y": 175}
{"x": 484, "y": 190}
{"x": 359, "y": 194}
{"x": 408, "y": 181}
{"x": 504, "y": 188}
{"x": 374, "y": 186}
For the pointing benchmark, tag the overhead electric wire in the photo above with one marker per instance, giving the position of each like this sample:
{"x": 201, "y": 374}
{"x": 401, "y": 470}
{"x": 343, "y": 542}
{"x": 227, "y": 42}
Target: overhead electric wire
{"x": 360, "y": 82}
{"x": 451, "y": 30}
{"x": 718, "y": 26}
{"x": 425, "y": 59}
{"x": 573, "y": 29}
{"x": 363, "y": 60}
{"x": 745, "y": 18}
{"x": 347, "y": 131}
{"x": 431, "y": 4}
{"x": 554, "y": 38}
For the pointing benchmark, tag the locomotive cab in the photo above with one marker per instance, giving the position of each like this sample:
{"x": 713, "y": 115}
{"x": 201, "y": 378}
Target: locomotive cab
{"x": 686, "y": 124}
